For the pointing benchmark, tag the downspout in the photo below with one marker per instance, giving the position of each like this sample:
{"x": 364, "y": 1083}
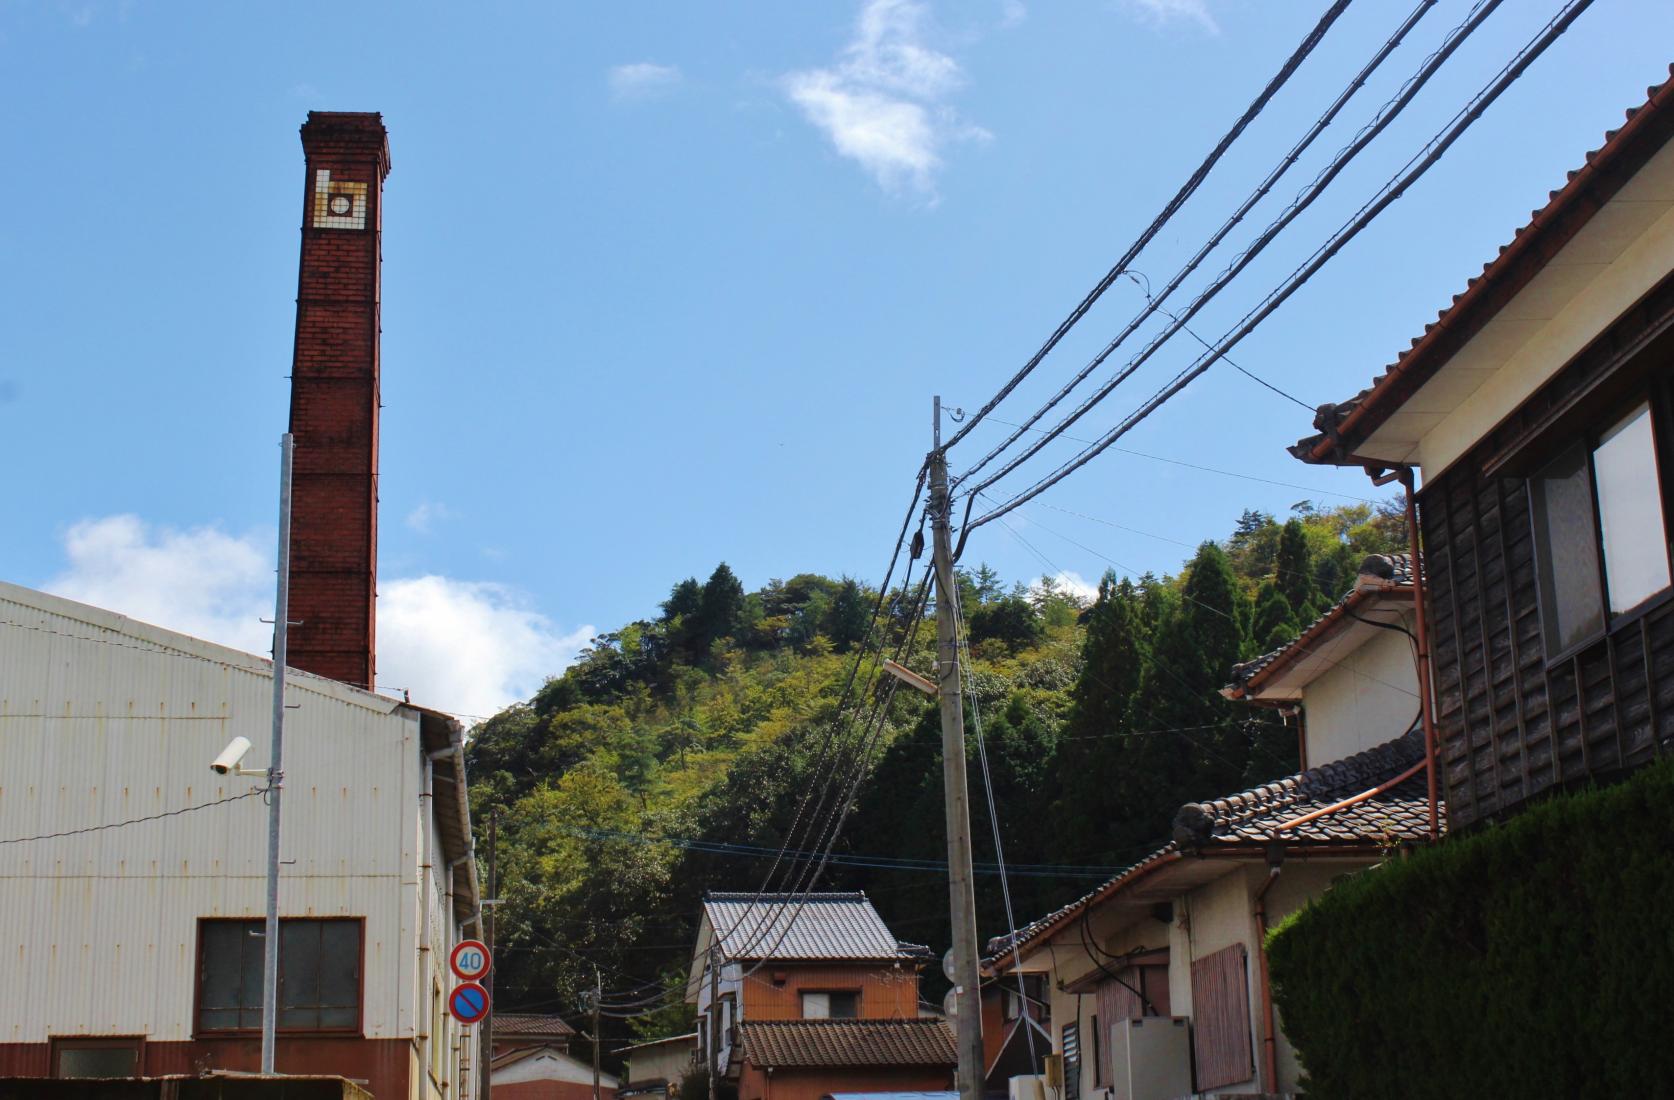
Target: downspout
{"x": 1269, "y": 1042}
{"x": 427, "y": 868}
{"x": 1422, "y": 636}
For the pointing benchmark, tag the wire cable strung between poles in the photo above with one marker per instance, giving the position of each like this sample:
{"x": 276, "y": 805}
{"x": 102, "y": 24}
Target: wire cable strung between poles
{"x": 832, "y": 730}
{"x": 1385, "y": 115}
{"x": 252, "y": 793}
{"x": 1154, "y": 304}
{"x": 1393, "y": 190}
{"x": 1186, "y": 191}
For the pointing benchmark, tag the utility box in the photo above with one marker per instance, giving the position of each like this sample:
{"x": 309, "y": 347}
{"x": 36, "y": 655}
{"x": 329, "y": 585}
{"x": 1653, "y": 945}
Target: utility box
{"x": 1026, "y": 1088}
{"x": 1151, "y": 1058}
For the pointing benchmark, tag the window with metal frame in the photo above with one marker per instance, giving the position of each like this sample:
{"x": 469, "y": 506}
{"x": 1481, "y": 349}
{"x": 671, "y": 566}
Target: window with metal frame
{"x": 1071, "y": 1045}
{"x": 832, "y": 1004}
{"x": 319, "y": 975}
{"x": 103, "y": 1056}
{"x": 1601, "y": 538}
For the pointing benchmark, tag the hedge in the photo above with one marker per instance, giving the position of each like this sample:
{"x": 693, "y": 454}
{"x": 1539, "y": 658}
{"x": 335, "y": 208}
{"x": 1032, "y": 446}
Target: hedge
{"x": 1532, "y": 958}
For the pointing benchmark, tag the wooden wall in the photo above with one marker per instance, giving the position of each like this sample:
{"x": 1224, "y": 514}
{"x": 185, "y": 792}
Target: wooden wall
{"x": 1514, "y": 722}
{"x": 885, "y": 993}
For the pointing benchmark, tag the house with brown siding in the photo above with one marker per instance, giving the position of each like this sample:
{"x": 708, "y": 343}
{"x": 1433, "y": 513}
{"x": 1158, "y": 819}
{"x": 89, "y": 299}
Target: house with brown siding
{"x": 799, "y": 995}
{"x": 1535, "y": 415}
{"x": 1155, "y": 982}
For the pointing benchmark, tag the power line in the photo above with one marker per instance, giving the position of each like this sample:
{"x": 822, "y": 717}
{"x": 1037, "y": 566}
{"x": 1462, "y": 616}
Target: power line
{"x": 1153, "y": 304}
{"x": 254, "y": 792}
{"x": 1385, "y": 115}
{"x": 1204, "y": 469}
{"x": 1394, "y": 189}
{"x": 1191, "y": 185}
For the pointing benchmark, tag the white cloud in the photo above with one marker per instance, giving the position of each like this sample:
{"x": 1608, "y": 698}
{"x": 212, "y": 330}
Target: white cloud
{"x": 1163, "y": 12}
{"x": 1076, "y": 585}
{"x": 468, "y": 647}
{"x": 882, "y": 105}
{"x": 643, "y": 80}
{"x": 425, "y": 517}
{"x": 200, "y": 581}
{"x": 1012, "y": 13}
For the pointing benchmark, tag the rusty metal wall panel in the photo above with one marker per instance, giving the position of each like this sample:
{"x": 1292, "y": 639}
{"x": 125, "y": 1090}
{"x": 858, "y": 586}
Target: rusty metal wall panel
{"x": 103, "y": 720}
{"x": 1221, "y": 1042}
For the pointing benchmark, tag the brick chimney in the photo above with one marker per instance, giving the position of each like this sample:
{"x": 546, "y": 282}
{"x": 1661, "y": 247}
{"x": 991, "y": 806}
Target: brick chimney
{"x": 334, "y": 399}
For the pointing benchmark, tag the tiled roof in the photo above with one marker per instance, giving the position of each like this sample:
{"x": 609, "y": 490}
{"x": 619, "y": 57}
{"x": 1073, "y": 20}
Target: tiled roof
{"x": 507, "y": 1024}
{"x": 1400, "y": 814}
{"x": 1377, "y": 572}
{"x": 847, "y": 1043}
{"x": 795, "y": 926}
{"x": 1343, "y": 426}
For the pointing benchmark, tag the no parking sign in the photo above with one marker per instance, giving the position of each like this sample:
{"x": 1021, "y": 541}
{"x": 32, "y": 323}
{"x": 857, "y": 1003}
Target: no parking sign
{"x": 468, "y": 1003}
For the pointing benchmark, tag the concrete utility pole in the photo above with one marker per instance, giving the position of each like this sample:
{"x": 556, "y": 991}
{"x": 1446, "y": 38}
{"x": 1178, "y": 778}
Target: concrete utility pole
{"x": 485, "y": 1041}
{"x": 961, "y": 892}
{"x": 275, "y": 766}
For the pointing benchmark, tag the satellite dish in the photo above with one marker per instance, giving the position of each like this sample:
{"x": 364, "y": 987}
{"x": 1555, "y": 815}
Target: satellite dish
{"x": 948, "y": 970}
{"x": 950, "y": 1004}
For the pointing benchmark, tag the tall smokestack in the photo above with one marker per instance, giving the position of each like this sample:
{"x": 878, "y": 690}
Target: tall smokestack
{"x": 334, "y": 399}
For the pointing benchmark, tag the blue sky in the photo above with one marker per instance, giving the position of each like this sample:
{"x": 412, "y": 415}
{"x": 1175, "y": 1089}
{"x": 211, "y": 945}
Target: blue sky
{"x": 671, "y": 283}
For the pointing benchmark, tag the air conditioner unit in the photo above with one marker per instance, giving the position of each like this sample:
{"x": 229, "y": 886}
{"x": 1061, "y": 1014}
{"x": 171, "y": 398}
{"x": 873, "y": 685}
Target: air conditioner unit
{"x": 1027, "y": 1088}
{"x": 1151, "y": 1058}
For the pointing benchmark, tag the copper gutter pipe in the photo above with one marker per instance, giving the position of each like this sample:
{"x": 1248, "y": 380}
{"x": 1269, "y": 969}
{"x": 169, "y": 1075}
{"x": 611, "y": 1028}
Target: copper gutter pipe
{"x": 1270, "y": 1041}
{"x": 1422, "y": 636}
{"x": 1356, "y": 799}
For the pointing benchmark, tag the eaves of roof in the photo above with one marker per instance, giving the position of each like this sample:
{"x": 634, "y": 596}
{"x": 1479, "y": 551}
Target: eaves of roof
{"x": 1248, "y": 824}
{"x": 1396, "y": 581}
{"x": 1344, "y": 427}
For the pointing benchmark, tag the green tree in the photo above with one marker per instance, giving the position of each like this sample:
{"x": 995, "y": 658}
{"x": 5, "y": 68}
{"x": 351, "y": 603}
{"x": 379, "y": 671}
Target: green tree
{"x": 1193, "y": 747}
{"x": 1274, "y": 623}
{"x": 845, "y": 622}
{"x": 1295, "y": 572}
{"x": 1010, "y": 620}
{"x": 1091, "y": 755}
{"x": 722, "y": 607}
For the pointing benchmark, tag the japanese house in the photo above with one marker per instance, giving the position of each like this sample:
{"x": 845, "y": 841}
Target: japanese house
{"x": 1155, "y": 981}
{"x": 799, "y": 995}
{"x": 1536, "y": 412}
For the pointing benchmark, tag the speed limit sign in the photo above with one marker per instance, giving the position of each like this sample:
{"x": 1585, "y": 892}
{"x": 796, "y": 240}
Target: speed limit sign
{"x": 470, "y": 960}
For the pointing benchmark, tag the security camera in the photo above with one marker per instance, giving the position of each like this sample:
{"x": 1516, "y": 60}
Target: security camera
{"x": 231, "y": 757}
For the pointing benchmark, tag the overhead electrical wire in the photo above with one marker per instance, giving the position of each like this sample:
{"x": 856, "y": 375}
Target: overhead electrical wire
{"x": 1186, "y": 191}
{"x": 252, "y": 793}
{"x": 1385, "y": 115}
{"x": 1154, "y": 303}
{"x": 1415, "y": 168}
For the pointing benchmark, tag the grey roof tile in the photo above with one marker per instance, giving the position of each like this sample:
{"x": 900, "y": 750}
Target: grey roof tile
{"x": 847, "y": 1043}
{"x": 795, "y": 926}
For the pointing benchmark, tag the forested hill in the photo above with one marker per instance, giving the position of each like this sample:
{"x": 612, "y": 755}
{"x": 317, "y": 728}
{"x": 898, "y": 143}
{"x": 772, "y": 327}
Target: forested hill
{"x": 671, "y": 758}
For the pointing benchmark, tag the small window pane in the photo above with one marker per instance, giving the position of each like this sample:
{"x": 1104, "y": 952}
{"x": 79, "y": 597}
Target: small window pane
{"x": 116, "y": 1061}
{"x": 816, "y": 1006}
{"x": 1630, "y": 512}
{"x": 844, "y": 1006}
{"x": 1570, "y": 601}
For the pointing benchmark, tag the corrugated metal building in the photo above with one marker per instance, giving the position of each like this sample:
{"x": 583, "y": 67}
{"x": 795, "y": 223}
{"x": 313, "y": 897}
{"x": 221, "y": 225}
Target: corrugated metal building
{"x": 132, "y": 877}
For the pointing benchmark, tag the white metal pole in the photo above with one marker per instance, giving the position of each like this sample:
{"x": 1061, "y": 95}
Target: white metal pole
{"x": 275, "y": 767}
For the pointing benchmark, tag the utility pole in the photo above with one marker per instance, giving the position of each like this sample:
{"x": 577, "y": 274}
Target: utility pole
{"x": 485, "y": 1043}
{"x": 275, "y": 766}
{"x": 598, "y": 995}
{"x": 961, "y": 892}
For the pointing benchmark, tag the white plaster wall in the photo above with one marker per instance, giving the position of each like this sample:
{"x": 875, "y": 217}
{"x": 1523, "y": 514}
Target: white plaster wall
{"x": 1368, "y": 698}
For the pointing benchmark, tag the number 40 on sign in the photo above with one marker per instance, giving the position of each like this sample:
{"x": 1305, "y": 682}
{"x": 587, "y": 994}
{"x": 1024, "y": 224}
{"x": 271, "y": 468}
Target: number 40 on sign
{"x": 470, "y": 960}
